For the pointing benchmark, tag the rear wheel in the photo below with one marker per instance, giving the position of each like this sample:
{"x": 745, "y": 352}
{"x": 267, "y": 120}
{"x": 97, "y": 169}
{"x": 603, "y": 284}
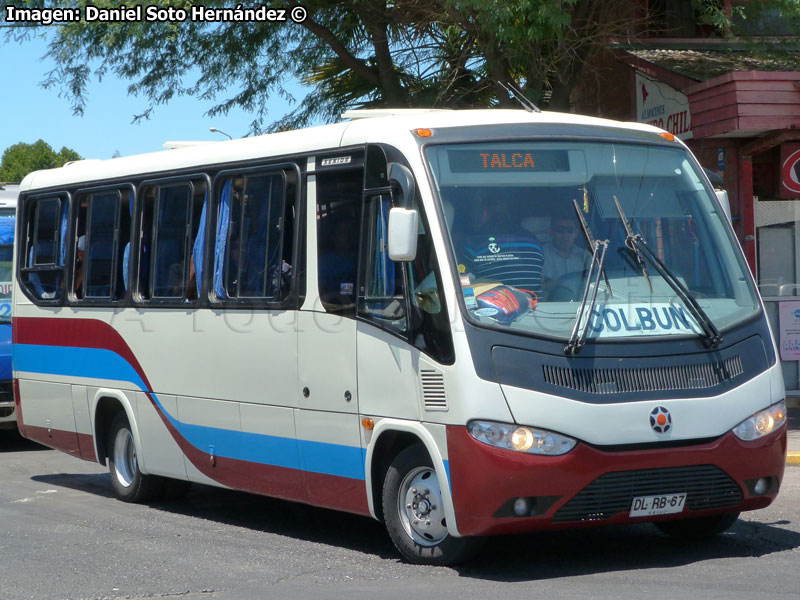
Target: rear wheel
{"x": 129, "y": 483}
{"x": 699, "y": 527}
{"x": 414, "y": 513}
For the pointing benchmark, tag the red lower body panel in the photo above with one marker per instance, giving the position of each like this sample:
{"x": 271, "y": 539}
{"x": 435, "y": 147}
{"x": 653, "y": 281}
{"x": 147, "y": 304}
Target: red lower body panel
{"x": 484, "y": 479}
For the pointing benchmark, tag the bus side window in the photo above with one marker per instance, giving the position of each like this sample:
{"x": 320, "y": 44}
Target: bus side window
{"x": 251, "y": 238}
{"x": 98, "y": 267}
{"x": 382, "y": 299}
{"x": 170, "y": 242}
{"x": 45, "y": 230}
{"x": 430, "y": 330}
{"x": 338, "y": 226}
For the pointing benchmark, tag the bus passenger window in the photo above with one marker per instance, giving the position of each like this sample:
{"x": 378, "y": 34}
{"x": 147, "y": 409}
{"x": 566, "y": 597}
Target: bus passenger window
{"x": 252, "y": 227}
{"x": 41, "y": 269}
{"x": 100, "y": 248}
{"x": 171, "y": 240}
{"x": 338, "y": 225}
{"x": 170, "y": 252}
{"x": 101, "y": 233}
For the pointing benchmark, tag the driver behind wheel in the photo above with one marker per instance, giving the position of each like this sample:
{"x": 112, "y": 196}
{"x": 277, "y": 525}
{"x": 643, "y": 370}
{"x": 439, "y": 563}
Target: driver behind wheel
{"x": 562, "y": 255}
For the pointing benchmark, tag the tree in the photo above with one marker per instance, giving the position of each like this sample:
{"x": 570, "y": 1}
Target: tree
{"x": 20, "y": 159}
{"x": 354, "y": 53}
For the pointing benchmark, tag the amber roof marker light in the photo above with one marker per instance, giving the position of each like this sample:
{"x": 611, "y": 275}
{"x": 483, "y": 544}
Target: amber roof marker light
{"x": 670, "y": 137}
{"x": 421, "y": 132}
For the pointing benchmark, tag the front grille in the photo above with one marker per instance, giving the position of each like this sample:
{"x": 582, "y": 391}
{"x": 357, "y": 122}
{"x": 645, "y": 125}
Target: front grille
{"x": 706, "y": 487}
{"x": 6, "y": 411}
{"x": 6, "y": 391}
{"x": 692, "y": 376}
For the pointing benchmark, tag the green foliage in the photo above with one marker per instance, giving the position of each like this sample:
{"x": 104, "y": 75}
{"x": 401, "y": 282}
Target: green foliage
{"x": 20, "y": 159}
{"x": 356, "y": 53}
{"x": 350, "y": 53}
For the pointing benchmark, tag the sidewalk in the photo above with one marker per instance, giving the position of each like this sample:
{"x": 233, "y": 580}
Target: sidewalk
{"x": 793, "y": 455}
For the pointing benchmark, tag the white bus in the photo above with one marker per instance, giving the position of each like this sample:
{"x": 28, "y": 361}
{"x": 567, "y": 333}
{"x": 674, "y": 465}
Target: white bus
{"x": 461, "y": 323}
{"x": 8, "y": 210}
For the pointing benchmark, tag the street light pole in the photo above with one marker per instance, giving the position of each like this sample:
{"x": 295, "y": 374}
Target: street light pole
{"x": 215, "y": 130}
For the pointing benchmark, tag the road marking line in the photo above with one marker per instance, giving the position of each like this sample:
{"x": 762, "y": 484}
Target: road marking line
{"x": 26, "y": 500}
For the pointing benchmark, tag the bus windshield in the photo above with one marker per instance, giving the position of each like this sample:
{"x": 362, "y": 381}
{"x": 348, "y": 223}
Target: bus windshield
{"x": 523, "y": 216}
{"x": 6, "y": 273}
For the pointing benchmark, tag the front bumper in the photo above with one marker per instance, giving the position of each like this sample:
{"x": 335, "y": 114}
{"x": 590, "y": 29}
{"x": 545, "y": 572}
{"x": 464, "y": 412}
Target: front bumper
{"x": 718, "y": 476}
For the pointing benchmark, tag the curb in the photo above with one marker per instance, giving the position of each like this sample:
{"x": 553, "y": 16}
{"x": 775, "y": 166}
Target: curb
{"x": 793, "y": 459}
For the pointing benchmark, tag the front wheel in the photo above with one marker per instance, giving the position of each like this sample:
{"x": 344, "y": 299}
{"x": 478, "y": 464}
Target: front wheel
{"x": 699, "y": 527}
{"x": 413, "y": 510}
{"x": 129, "y": 483}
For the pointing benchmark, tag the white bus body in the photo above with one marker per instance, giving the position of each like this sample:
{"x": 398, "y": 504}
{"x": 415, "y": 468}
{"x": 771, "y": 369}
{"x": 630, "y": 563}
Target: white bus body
{"x": 228, "y": 314}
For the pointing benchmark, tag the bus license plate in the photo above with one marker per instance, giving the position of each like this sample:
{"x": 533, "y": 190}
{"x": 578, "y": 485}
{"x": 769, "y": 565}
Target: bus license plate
{"x": 665, "y": 504}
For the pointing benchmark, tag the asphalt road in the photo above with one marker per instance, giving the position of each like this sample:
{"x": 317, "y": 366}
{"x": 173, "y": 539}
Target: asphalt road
{"x": 63, "y": 536}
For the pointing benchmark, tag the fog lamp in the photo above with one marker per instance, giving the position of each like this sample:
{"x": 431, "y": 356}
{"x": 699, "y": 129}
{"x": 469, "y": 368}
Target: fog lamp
{"x": 521, "y": 506}
{"x": 761, "y": 486}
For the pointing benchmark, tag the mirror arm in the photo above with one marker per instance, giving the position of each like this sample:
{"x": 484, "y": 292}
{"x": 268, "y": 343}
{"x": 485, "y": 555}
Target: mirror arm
{"x": 402, "y": 175}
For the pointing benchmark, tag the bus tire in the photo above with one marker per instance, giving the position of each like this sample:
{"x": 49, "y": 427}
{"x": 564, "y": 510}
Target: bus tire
{"x": 414, "y": 513}
{"x": 698, "y": 528}
{"x": 129, "y": 483}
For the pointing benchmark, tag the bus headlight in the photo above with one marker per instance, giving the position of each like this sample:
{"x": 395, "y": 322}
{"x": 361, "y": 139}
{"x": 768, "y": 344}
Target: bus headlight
{"x": 520, "y": 438}
{"x": 762, "y": 423}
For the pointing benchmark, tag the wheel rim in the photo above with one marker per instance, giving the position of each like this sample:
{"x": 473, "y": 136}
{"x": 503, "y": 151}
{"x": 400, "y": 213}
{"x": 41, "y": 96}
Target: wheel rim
{"x": 125, "y": 465}
{"x": 419, "y": 503}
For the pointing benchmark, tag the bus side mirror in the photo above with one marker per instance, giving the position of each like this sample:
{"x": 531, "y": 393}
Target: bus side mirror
{"x": 403, "y": 223}
{"x": 722, "y": 196}
{"x": 403, "y": 220}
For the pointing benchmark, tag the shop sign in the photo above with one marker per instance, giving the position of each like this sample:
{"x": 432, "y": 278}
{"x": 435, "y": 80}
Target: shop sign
{"x": 663, "y": 106}
{"x": 789, "y": 325}
{"x": 790, "y": 171}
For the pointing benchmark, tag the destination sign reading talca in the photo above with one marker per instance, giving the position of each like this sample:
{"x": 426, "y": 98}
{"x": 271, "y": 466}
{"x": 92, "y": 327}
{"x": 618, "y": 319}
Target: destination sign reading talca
{"x": 131, "y": 13}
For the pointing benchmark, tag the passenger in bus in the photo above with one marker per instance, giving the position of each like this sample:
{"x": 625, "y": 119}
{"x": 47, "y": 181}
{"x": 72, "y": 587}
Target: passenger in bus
{"x": 80, "y": 253}
{"x": 498, "y": 249}
{"x": 562, "y": 256}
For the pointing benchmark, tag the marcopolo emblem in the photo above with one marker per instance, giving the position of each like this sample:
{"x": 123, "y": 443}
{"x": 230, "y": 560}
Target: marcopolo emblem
{"x": 660, "y": 419}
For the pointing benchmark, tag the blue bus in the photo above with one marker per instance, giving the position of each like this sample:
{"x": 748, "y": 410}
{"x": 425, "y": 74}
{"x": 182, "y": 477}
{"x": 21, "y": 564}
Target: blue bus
{"x": 8, "y": 210}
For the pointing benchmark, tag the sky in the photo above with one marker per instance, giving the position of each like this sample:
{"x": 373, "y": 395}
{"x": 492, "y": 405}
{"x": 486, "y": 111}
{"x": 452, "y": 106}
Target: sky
{"x": 31, "y": 113}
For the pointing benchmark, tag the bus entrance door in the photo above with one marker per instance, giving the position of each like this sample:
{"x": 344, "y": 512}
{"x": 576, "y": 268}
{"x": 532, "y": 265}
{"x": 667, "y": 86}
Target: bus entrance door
{"x": 327, "y": 423}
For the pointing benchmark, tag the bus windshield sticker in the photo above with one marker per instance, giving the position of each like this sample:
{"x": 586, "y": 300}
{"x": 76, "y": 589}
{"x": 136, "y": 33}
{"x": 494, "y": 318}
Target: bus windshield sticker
{"x": 616, "y": 320}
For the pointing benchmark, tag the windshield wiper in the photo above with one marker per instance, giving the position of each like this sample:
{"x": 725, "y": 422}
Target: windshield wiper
{"x": 630, "y": 243}
{"x": 590, "y": 239}
{"x": 636, "y": 244}
{"x": 578, "y": 336}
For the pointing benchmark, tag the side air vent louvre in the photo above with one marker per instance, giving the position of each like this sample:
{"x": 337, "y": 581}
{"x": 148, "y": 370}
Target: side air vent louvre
{"x": 433, "y": 392}
{"x": 652, "y": 379}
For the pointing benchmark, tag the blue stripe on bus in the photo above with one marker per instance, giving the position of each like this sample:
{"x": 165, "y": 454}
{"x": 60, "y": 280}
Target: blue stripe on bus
{"x": 96, "y": 363}
{"x": 93, "y": 363}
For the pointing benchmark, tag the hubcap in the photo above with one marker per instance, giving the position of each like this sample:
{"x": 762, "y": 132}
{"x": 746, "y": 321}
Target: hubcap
{"x": 420, "y": 507}
{"x": 125, "y": 465}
